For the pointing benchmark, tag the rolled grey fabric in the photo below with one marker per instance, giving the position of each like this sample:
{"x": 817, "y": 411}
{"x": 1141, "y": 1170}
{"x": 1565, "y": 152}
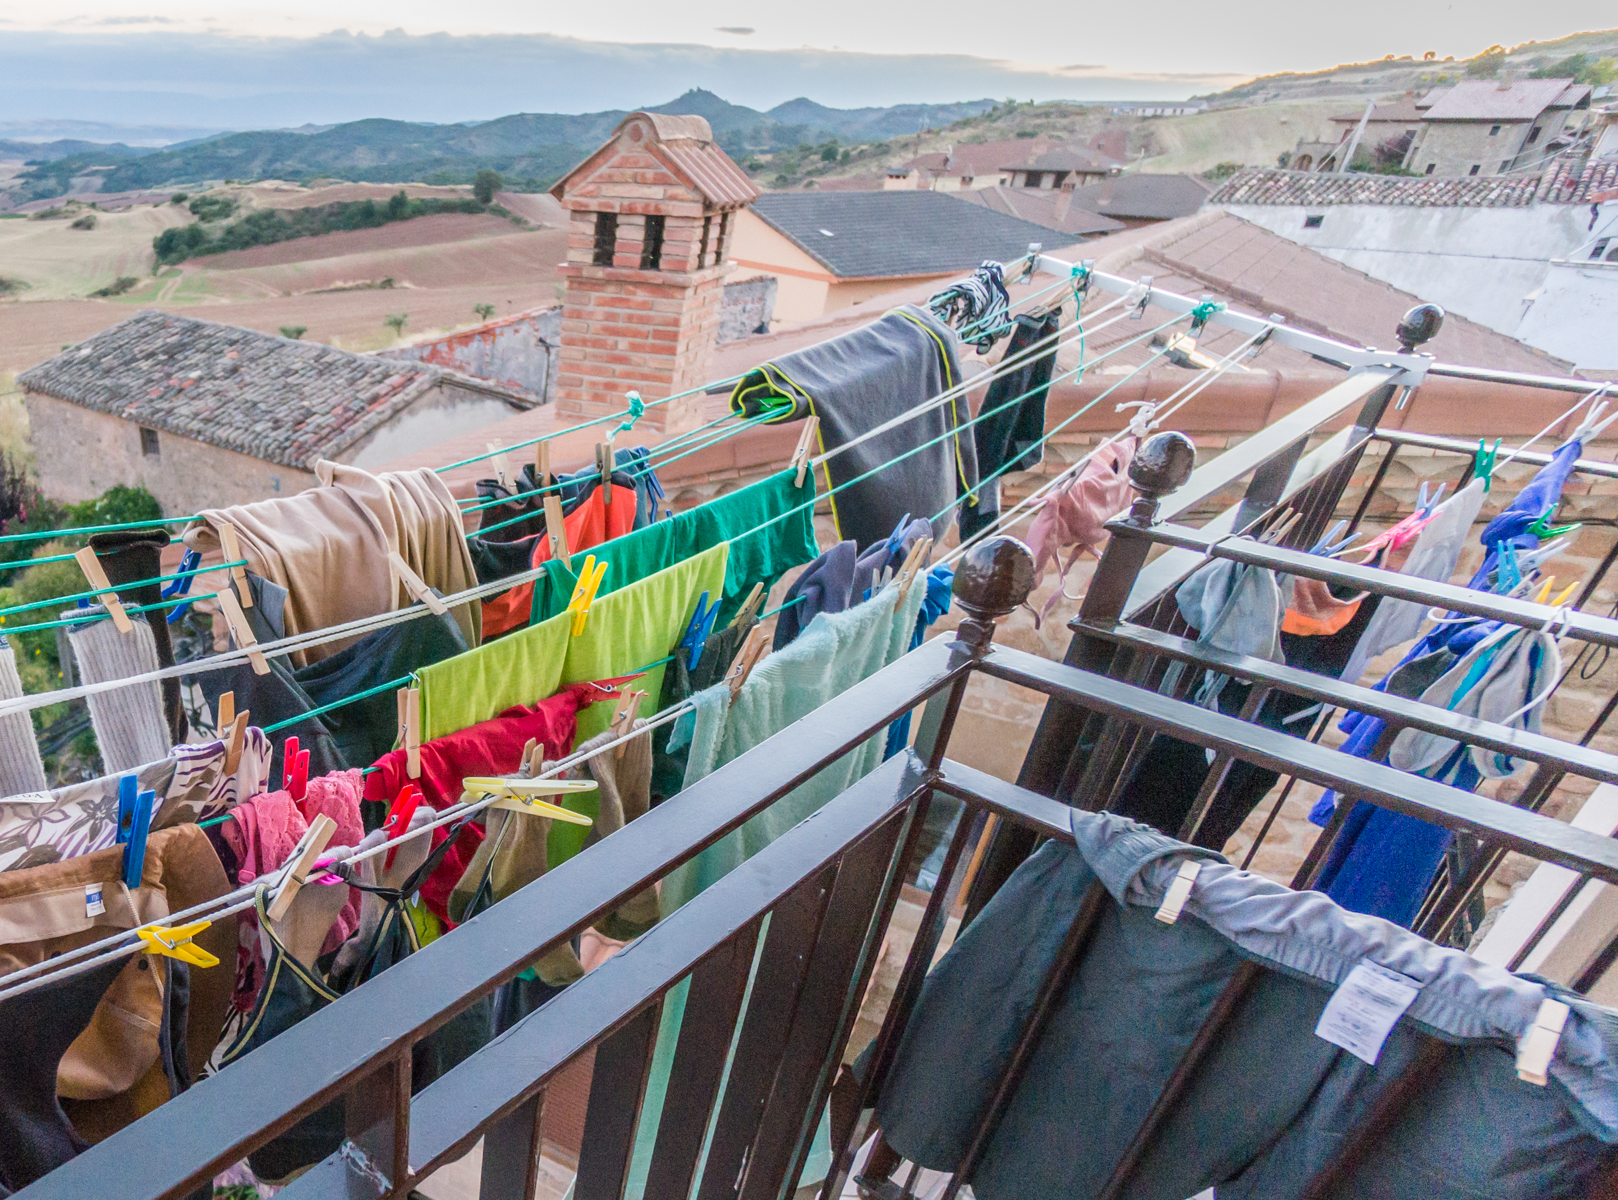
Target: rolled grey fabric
{"x": 20, "y": 767}
{"x": 129, "y": 723}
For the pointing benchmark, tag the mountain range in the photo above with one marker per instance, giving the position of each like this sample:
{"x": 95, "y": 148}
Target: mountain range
{"x": 530, "y": 149}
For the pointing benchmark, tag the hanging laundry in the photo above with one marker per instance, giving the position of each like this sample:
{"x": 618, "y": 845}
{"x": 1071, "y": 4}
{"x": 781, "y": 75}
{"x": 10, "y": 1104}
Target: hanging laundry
{"x": 1532, "y": 506}
{"x": 1012, "y": 436}
{"x": 887, "y": 555}
{"x": 123, "y": 1038}
{"x": 129, "y": 724}
{"x": 940, "y": 583}
{"x": 680, "y": 681}
{"x": 1076, "y": 514}
{"x": 328, "y": 546}
{"x": 858, "y": 381}
{"x": 1314, "y": 611}
{"x": 826, "y": 586}
{"x": 21, "y": 768}
{"x": 1141, "y": 991}
{"x": 129, "y": 556}
{"x": 525, "y": 495}
{"x": 977, "y": 306}
{"x": 1233, "y": 607}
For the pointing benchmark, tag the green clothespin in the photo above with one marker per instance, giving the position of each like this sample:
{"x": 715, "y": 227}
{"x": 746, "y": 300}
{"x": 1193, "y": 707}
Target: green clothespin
{"x": 1545, "y": 532}
{"x": 1483, "y": 463}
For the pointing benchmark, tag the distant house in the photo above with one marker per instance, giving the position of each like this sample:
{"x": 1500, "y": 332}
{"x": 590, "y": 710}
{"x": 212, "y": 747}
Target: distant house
{"x": 1606, "y": 134}
{"x": 1039, "y": 161}
{"x": 828, "y": 250}
{"x": 1142, "y": 199}
{"x": 204, "y": 414}
{"x": 1062, "y": 169}
{"x": 1158, "y": 108}
{"x": 1484, "y": 127}
{"x": 1388, "y": 124}
{"x": 1053, "y": 209}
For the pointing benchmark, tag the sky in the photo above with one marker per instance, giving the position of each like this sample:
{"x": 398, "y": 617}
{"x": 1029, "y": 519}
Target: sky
{"x": 209, "y": 64}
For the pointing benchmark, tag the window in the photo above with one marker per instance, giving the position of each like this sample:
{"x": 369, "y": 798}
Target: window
{"x": 651, "y": 247}
{"x": 1494, "y": 130}
{"x": 1533, "y": 136}
{"x": 606, "y": 239}
{"x": 702, "y": 248}
{"x": 1595, "y": 255}
{"x": 1476, "y": 167}
{"x": 1430, "y": 168}
{"x": 148, "y": 442}
{"x": 1314, "y": 222}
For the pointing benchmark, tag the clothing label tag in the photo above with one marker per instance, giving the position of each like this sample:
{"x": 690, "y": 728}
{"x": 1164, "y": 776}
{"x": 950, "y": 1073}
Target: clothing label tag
{"x": 93, "y": 907}
{"x": 1365, "y": 1007}
{"x": 1204, "y": 1194}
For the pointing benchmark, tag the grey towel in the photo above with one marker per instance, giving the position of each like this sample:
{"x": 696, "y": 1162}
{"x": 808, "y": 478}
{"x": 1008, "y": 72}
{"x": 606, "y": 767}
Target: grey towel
{"x": 855, "y": 383}
{"x": 129, "y": 723}
{"x": 20, "y": 767}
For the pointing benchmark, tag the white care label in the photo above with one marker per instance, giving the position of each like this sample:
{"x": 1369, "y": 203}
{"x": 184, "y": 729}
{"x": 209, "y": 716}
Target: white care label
{"x": 1204, "y": 1194}
{"x": 93, "y": 906}
{"x": 1365, "y": 1008}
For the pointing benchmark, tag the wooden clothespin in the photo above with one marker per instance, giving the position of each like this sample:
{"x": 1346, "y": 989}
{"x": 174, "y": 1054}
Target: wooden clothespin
{"x": 542, "y": 462}
{"x": 176, "y": 942}
{"x": 102, "y": 586}
{"x": 806, "y": 444}
{"x": 753, "y": 649}
{"x": 623, "y": 717}
{"x": 913, "y": 561}
{"x": 411, "y": 705}
{"x": 1179, "y": 892}
{"x": 414, "y": 584}
{"x": 527, "y": 752}
{"x": 1277, "y": 534}
{"x": 225, "y": 711}
{"x": 232, "y": 548}
{"x": 1537, "y": 1047}
{"x": 555, "y": 531}
{"x": 523, "y": 796}
{"x": 239, "y": 629}
{"x": 584, "y": 592}
{"x": 302, "y": 864}
{"x": 497, "y": 460}
{"x": 605, "y": 464}
{"x": 233, "y": 744}
{"x": 749, "y": 606}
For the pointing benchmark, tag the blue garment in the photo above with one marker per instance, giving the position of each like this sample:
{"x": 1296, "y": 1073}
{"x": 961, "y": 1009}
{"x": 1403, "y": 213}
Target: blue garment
{"x": 1538, "y": 499}
{"x": 940, "y": 582}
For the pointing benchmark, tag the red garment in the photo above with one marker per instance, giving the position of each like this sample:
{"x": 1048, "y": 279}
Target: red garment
{"x": 587, "y": 526}
{"x": 492, "y": 747}
{"x": 1076, "y": 515}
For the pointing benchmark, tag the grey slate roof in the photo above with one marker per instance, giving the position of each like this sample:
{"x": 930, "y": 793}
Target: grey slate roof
{"x": 269, "y": 397}
{"x": 1562, "y": 184}
{"x": 861, "y": 235}
{"x": 1144, "y": 197}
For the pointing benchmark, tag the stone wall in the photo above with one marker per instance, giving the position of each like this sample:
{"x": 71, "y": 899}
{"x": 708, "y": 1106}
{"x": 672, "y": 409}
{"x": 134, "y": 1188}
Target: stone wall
{"x": 748, "y": 308}
{"x": 517, "y": 351}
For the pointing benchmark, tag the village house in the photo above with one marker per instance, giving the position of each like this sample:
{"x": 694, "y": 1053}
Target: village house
{"x": 1036, "y": 162}
{"x": 1489, "y": 127}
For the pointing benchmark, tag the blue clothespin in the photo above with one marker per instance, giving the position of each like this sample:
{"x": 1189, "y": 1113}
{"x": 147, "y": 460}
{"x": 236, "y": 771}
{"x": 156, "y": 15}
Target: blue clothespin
{"x": 182, "y": 586}
{"x": 696, "y": 633}
{"x": 1331, "y": 536}
{"x": 134, "y": 822}
{"x": 1507, "y": 573}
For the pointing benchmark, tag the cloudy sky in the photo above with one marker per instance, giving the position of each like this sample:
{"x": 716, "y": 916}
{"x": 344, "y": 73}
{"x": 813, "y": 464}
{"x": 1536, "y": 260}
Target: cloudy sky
{"x": 328, "y": 60}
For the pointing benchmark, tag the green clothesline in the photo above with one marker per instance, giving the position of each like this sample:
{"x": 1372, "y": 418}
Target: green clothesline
{"x": 6, "y": 630}
{"x": 119, "y": 587}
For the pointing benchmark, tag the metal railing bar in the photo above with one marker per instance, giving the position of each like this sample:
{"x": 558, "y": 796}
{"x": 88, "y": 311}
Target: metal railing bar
{"x": 623, "y": 1063}
{"x": 1043, "y": 816}
{"x": 1555, "y": 383}
{"x": 1541, "y": 837}
{"x": 1532, "y": 458}
{"x": 1593, "y": 764}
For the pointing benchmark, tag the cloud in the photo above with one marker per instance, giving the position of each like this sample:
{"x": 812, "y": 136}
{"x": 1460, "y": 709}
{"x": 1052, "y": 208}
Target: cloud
{"x": 136, "y": 21}
{"x": 739, "y": 30}
{"x": 1083, "y": 67}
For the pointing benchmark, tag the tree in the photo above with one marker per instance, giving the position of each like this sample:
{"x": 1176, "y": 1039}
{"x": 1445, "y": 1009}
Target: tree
{"x": 1222, "y": 171}
{"x": 484, "y": 311}
{"x": 398, "y": 205}
{"x": 485, "y": 184}
{"x": 1487, "y": 65}
{"x": 396, "y": 322}
{"x": 294, "y": 331}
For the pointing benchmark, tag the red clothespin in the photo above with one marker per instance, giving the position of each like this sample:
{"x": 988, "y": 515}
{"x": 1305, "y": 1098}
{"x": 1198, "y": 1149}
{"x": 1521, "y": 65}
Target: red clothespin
{"x": 398, "y": 818}
{"x": 295, "y": 764}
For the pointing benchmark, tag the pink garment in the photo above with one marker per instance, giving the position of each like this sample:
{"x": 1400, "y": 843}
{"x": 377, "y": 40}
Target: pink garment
{"x": 1076, "y": 514}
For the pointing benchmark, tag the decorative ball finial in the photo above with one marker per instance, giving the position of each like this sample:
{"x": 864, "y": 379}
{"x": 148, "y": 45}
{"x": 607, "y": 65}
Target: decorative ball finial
{"x": 1420, "y": 324}
{"x": 991, "y": 580}
{"x": 1162, "y": 464}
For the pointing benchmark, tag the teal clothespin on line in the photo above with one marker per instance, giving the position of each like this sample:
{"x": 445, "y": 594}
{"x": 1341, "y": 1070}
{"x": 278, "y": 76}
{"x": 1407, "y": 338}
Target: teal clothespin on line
{"x": 1201, "y": 313}
{"x": 1483, "y": 462}
{"x": 637, "y": 406}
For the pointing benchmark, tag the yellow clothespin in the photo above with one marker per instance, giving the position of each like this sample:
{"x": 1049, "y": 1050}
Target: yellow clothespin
{"x": 523, "y": 796}
{"x": 1179, "y": 892}
{"x": 497, "y": 460}
{"x": 806, "y": 443}
{"x": 414, "y": 583}
{"x": 623, "y": 717}
{"x": 555, "y": 531}
{"x": 1566, "y": 592}
{"x": 239, "y": 629}
{"x": 176, "y": 942}
{"x": 1537, "y": 1047}
{"x": 303, "y": 858}
{"x": 753, "y": 649}
{"x": 97, "y": 575}
{"x": 410, "y": 719}
{"x": 1545, "y": 590}
{"x": 232, "y": 548}
{"x": 749, "y": 605}
{"x": 584, "y": 592}
{"x": 233, "y": 745}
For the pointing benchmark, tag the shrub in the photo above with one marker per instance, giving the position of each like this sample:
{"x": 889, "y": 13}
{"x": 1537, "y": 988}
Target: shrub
{"x": 1222, "y": 171}
{"x": 484, "y": 311}
{"x": 1487, "y": 65}
{"x": 396, "y": 322}
{"x": 212, "y": 208}
{"x": 179, "y": 198}
{"x": 265, "y": 227}
{"x": 117, "y": 287}
{"x": 87, "y": 221}
{"x": 294, "y": 332}
{"x": 398, "y": 205}
{"x": 485, "y": 184}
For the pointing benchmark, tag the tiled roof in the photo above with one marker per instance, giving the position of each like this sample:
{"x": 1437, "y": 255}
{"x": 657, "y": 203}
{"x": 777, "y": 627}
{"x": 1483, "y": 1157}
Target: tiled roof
{"x": 1065, "y": 160}
{"x": 1042, "y": 206}
{"x": 982, "y": 158}
{"x": 268, "y": 397}
{"x": 1579, "y": 184}
{"x": 1146, "y": 197}
{"x": 1486, "y": 100}
{"x": 1405, "y": 109}
{"x": 684, "y": 145}
{"x": 859, "y": 235}
{"x": 1264, "y": 185}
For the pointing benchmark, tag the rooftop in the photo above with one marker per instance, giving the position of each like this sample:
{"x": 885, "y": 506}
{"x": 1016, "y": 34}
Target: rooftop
{"x": 1488, "y": 100}
{"x": 683, "y": 146}
{"x": 1145, "y": 197}
{"x": 1405, "y": 109}
{"x": 268, "y": 397}
{"x": 1562, "y": 184}
{"x": 1065, "y": 159}
{"x": 863, "y": 235}
{"x": 984, "y": 158}
{"x": 1049, "y": 207}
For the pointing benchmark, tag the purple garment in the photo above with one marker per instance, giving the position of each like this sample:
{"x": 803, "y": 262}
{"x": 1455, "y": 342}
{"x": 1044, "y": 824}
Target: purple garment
{"x": 890, "y": 552}
{"x": 825, "y": 586}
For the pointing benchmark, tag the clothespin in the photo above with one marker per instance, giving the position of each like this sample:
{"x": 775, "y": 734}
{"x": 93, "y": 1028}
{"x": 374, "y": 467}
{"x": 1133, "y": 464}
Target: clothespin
{"x": 1542, "y": 531}
{"x": 295, "y": 769}
{"x": 753, "y": 649}
{"x": 698, "y": 629}
{"x": 755, "y": 599}
{"x": 102, "y": 586}
{"x": 225, "y": 710}
{"x": 398, "y": 819}
{"x": 414, "y": 583}
{"x": 410, "y": 720}
{"x": 134, "y": 822}
{"x": 915, "y": 563}
{"x": 1179, "y": 892}
{"x": 806, "y": 444}
{"x": 527, "y": 752}
{"x": 175, "y": 942}
{"x": 1545, "y": 589}
{"x": 233, "y": 744}
{"x": 542, "y": 462}
{"x": 232, "y": 548}
{"x": 1326, "y": 542}
{"x": 1537, "y": 1047}
{"x": 605, "y": 464}
{"x": 623, "y": 717}
{"x": 1275, "y": 534}
{"x": 1566, "y": 592}
{"x": 497, "y": 460}
{"x": 1141, "y": 294}
{"x": 240, "y": 631}
{"x": 555, "y": 531}
{"x": 523, "y": 796}
{"x": 584, "y": 593}
{"x": 1483, "y": 462}
{"x": 302, "y": 864}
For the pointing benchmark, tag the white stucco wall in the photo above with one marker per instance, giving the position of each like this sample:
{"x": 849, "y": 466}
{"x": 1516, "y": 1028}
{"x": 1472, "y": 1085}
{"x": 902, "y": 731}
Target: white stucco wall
{"x": 1575, "y": 316}
{"x": 1483, "y": 263}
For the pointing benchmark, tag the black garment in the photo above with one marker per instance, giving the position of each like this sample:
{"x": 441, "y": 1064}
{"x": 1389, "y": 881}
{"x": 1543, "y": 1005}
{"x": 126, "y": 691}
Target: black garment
{"x": 36, "y": 1135}
{"x": 718, "y": 652}
{"x": 495, "y": 560}
{"x": 1010, "y": 439}
{"x": 132, "y": 555}
{"x": 1165, "y": 785}
{"x": 523, "y": 498}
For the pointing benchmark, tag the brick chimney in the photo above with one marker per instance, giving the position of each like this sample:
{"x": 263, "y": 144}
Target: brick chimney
{"x": 652, "y": 213}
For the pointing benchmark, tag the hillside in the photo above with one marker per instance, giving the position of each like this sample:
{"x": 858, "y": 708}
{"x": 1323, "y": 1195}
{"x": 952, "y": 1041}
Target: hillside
{"x": 530, "y": 149}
